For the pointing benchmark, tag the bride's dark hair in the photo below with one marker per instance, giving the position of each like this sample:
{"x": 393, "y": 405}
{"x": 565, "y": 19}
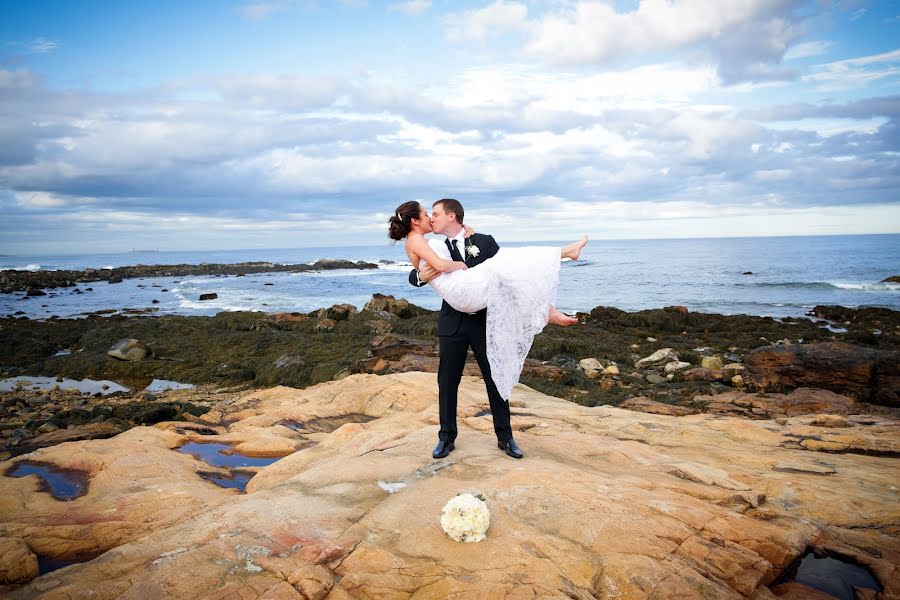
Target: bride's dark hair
{"x": 400, "y": 223}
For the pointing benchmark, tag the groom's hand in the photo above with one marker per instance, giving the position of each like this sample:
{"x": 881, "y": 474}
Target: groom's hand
{"x": 427, "y": 273}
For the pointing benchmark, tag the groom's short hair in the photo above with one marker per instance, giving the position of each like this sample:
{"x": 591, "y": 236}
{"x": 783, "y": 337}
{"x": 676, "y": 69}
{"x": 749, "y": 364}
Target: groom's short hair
{"x": 452, "y": 206}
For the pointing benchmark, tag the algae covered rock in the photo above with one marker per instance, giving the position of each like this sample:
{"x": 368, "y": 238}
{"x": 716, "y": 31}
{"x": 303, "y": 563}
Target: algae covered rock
{"x": 129, "y": 349}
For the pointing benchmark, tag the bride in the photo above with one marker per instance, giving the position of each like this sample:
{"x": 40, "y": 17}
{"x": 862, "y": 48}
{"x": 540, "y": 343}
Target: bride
{"x": 517, "y": 286}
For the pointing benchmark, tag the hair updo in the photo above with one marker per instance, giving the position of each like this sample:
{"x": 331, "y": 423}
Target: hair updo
{"x": 400, "y": 223}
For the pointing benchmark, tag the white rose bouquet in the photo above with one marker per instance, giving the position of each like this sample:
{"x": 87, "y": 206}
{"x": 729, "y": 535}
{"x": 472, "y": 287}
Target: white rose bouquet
{"x": 466, "y": 518}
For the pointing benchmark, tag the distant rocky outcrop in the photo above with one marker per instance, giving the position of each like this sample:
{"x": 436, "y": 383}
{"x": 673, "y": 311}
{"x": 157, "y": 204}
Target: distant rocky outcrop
{"x": 17, "y": 281}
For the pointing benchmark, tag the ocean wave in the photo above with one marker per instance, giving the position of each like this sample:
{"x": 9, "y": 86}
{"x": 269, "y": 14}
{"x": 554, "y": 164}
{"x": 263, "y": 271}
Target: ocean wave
{"x": 29, "y": 267}
{"x": 835, "y": 285}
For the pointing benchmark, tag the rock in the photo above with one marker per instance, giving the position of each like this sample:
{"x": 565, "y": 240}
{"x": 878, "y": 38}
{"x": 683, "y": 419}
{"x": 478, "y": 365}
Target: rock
{"x": 564, "y": 361}
{"x": 737, "y": 381}
{"x": 290, "y": 360}
{"x": 400, "y": 307}
{"x": 89, "y": 431}
{"x": 644, "y": 404}
{"x": 867, "y": 374}
{"x": 678, "y": 309}
{"x": 661, "y": 356}
{"x": 39, "y": 400}
{"x": 18, "y": 564}
{"x": 683, "y": 507}
{"x": 393, "y": 347}
{"x": 114, "y": 280}
{"x": 35, "y": 292}
{"x": 611, "y": 370}
{"x": 674, "y": 367}
{"x": 379, "y": 327}
{"x": 703, "y": 374}
{"x": 325, "y": 324}
{"x": 149, "y": 397}
{"x": 712, "y": 362}
{"x": 891, "y": 279}
{"x": 657, "y": 379}
{"x": 288, "y": 317}
{"x": 129, "y": 349}
{"x": 801, "y": 401}
{"x": 338, "y": 312}
{"x": 155, "y": 301}
{"x": 733, "y": 369}
{"x": 210, "y": 296}
{"x": 651, "y": 339}
{"x": 591, "y": 366}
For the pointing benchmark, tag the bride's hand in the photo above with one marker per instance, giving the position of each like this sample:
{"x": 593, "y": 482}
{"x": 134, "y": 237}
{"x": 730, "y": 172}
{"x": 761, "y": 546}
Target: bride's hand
{"x": 469, "y": 231}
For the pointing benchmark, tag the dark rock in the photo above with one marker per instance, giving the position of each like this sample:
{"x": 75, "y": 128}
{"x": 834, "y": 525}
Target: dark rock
{"x": 400, "y": 307}
{"x": 703, "y": 374}
{"x": 35, "y": 292}
{"x": 865, "y": 374}
{"x": 747, "y": 273}
{"x": 338, "y": 312}
{"x": 114, "y": 280}
{"x": 155, "y": 301}
{"x": 290, "y": 360}
{"x": 891, "y": 279}
{"x": 656, "y": 379}
{"x": 208, "y": 296}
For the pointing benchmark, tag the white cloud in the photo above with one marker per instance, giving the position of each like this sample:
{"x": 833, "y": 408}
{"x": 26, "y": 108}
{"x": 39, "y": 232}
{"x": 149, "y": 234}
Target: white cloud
{"x": 41, "y": 45}
{"x": 412, "y": 8}
{"x": 258, "y": 11}
{"x": 807, "y": 49}
{"x": 497, "y": 18}
{"x": 853, "y": 72}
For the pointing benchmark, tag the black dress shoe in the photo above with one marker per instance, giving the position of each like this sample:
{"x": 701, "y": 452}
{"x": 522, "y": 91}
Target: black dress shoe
{"x": 510, "y": 448}
{"x": 442, "y": 449}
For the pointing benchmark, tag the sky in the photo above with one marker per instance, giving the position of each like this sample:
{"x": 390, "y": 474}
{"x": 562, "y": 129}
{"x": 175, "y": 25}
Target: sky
{"x": 305, "y": 123}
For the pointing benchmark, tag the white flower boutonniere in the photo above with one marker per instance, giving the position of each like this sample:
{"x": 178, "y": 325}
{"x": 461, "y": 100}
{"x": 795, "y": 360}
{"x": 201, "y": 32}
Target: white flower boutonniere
{"x": 472, "y": 250}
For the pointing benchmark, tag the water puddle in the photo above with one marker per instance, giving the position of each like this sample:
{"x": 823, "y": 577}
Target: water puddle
{"x": 235, "y": 479}
{"x": 831, "y": 574}
{"x": 85, "y": 386}
{"x": 483, "y": 413}
{"x": 159, "y": 385}
{"x": 103, "y": 387}
{"x": 62, "y": 484}
{"x": 223, "y": 455}
{"x": 326, "y": 424}
{"x": 47, "y": 564}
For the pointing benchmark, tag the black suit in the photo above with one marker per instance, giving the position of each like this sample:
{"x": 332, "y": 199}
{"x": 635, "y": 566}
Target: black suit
{"x": 457, "y": 332}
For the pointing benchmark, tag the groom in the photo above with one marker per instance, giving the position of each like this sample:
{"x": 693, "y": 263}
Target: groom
{"x": 457, "y": 332}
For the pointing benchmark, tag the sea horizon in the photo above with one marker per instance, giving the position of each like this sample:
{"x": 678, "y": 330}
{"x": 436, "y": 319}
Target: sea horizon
{"x": 390, "y": 243}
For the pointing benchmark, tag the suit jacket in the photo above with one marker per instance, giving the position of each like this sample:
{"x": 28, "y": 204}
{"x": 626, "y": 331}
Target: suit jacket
{"x": 449, "y": 319}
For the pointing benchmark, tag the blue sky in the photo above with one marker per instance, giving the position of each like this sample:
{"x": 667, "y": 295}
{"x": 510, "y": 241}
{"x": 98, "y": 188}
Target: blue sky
{"x": 280, "y": 123}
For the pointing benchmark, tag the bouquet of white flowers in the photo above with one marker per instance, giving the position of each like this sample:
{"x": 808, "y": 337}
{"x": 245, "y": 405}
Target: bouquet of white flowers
{"x": 466, "y": 518}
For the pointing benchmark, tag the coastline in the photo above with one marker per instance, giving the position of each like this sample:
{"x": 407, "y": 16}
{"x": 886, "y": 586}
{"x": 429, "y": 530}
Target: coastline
{"x": 13, "y": 280}
{"x": 233, "y": 352}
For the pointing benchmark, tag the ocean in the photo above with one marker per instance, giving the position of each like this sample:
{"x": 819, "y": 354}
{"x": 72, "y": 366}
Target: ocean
{"x": 790, "y": 275}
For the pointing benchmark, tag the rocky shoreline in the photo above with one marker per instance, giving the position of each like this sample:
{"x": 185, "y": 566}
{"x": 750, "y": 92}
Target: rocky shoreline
{"x": 750, "y": 445}
{"x": 36, "y": 281}
{"x": 666, "y": 361}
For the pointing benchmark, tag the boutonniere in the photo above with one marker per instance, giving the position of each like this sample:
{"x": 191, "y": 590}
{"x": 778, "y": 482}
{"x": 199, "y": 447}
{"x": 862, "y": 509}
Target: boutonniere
{"x": 471, "y": 249}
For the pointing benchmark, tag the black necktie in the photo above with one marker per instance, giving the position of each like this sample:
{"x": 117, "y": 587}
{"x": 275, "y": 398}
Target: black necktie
{"x": 454, "y": 251}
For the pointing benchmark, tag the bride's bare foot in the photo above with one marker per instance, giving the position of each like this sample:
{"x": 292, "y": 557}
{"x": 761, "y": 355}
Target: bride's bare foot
{"x": 558, "y": 318}
{"x": 573, "y": 250}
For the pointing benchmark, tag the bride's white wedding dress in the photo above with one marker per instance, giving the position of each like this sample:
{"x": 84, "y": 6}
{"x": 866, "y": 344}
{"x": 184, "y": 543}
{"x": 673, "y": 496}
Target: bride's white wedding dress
{"x": 517, "y": 286}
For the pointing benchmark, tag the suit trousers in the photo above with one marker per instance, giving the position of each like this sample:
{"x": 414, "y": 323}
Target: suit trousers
{"x": 454, "y": 350}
